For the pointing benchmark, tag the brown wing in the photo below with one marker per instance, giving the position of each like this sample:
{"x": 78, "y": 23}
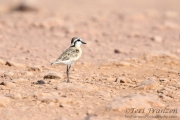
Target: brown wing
{"x": 68, "y": 54}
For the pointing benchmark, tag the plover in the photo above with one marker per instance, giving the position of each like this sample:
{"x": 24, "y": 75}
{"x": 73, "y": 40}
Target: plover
{"x": 71, "y": 55}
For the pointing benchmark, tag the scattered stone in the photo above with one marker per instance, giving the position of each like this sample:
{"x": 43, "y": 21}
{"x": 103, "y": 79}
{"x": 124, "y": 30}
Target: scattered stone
{"x": 123, "y": 80}
{"x": 40, "y": 82}
{"x": 64, "y": 105}
{"x": 147, "y": 84}
{"x": 25, "y": 6}
{"x": 4, "y": 101}
{"x": 168, "y": 92}
{"x": 117, "y": 51}
{"x": 8, "y": 84}
{"x": 2, "y": 62}
{"x": 36, "y": 69}
{"x": 158, "y": 39}
{"x": 163, "y": 80}
{"x": 53, "y": 75}
{"x": 137, "y": 101}
{"x": 164, "y": 97}
{"x": 14, "y": 64}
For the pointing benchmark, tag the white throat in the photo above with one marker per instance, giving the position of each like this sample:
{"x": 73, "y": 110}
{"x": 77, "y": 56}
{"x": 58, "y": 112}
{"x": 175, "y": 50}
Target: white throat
{"x": 77, "y": 44}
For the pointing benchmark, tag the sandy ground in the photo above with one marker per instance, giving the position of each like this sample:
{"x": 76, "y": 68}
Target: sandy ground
{"x": 130, "y": 67}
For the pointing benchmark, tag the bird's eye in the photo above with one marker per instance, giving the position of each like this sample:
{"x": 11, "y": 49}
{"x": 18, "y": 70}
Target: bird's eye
{"x": 78, "y": 40}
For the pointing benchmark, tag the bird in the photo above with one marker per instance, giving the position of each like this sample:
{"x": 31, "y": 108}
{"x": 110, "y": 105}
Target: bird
{"x": 70, "y": 55}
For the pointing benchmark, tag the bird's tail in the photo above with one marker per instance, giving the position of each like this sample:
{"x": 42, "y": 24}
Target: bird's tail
{"x": 55, "y": 62}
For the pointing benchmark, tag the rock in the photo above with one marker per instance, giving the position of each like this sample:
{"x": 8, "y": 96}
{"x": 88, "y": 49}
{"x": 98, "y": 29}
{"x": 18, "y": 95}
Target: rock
{"x": 24, "y": 6}
{"x": 4, "y": 101}
{"x": 35, "y": 68}
{"x": 14, "y": 64}
{"x": 147, "y": 84}
{"x": 117, "y": 51}
{"x": 8, "y": 84}
{"x": 2, "y": 62}
{"x": 164, "y": 97}
{"x": 168, "y": 92}
{"x": 158, "y": 39}
{"x": 123, "y": 80}
{"x": 40, "y": 82}
{"x": 19, "y": 5}
{"x": 136, "y": 101}
{"x": 53, "y": 75}
{"x": 163, "y": 80}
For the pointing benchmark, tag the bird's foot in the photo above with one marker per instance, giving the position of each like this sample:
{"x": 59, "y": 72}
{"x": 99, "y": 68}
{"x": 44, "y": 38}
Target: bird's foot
{"x": 68, "y": 81}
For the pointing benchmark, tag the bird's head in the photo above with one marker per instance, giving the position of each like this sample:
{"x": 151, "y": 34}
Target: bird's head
{"x": 76, "y": 42}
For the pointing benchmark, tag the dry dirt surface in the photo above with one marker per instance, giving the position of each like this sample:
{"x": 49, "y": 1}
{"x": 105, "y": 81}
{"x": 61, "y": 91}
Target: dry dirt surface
{"x": 130, "y": 67}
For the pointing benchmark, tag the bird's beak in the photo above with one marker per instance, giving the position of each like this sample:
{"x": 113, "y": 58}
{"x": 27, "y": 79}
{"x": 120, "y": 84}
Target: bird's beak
{"x": 83, "y": 42}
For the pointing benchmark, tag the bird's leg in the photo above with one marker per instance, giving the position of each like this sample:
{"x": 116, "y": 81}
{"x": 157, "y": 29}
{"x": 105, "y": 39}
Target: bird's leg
{"x": 69, "y": 67}
{"x": 67, "y": 71}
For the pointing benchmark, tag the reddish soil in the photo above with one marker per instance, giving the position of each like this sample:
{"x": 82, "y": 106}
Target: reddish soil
{"x": 131, "y": 59}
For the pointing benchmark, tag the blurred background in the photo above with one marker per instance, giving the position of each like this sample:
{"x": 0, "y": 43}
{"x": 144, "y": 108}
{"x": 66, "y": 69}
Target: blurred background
{"x": 37, "y": 31}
